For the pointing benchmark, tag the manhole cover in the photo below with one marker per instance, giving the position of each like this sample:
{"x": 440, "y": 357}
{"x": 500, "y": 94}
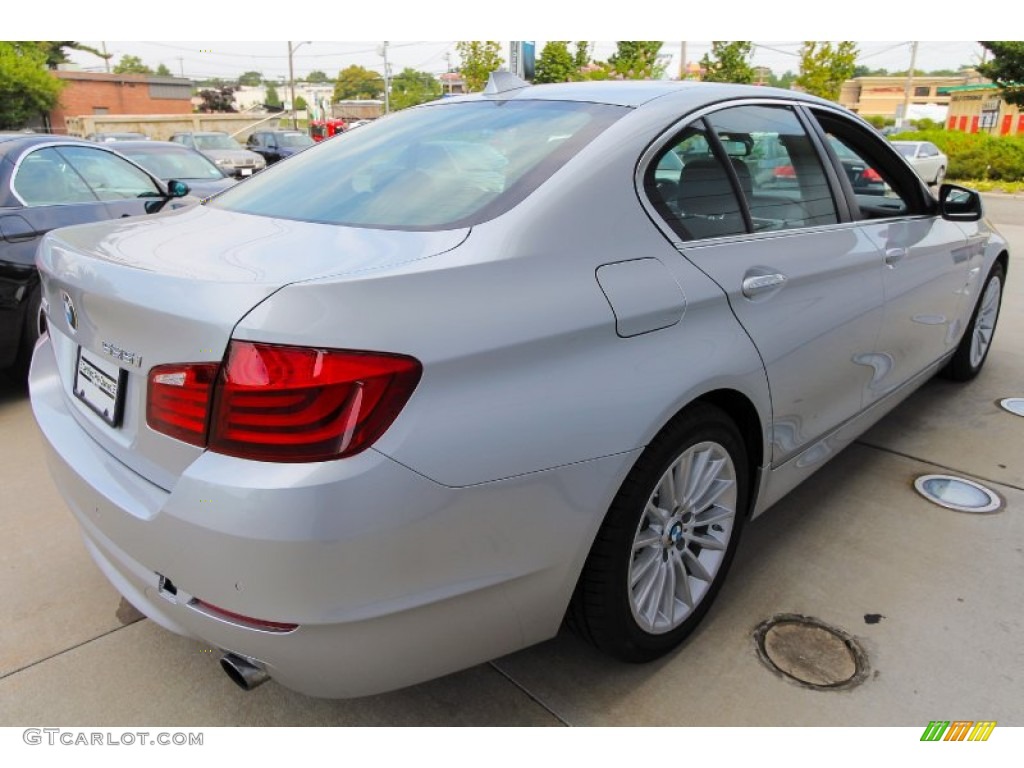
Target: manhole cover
{"x": 811, "y": 652}
{"x": 958, "y": 493}
{"x": 1014, "y": 405}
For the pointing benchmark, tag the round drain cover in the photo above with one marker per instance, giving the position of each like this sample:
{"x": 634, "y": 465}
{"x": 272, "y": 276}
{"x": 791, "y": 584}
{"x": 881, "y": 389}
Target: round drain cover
{"x": 957, "y": 493}
{"x": 811, "y": 652}
{"x": 1014, "y": 405}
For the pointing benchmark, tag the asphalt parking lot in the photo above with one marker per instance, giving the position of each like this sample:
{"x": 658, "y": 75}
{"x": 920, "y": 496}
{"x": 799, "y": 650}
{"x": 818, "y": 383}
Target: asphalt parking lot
{"x": 932, "y": 597}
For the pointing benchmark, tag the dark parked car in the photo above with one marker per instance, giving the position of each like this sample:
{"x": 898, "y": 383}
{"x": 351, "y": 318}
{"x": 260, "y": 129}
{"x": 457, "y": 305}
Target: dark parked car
{"x": 230, "y": 156}
{"x": 278, "y": 145}
{"x": 167, "y": 160}
{"x": 47, "y": 183}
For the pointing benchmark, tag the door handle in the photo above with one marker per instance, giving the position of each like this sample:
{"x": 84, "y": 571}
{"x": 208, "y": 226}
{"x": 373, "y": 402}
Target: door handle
{"x": 754, "y": 284}
{"x": 892, "y": 255}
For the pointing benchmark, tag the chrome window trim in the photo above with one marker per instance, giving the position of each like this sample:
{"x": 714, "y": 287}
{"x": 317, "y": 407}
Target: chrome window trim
{"x": 656, "y": 146}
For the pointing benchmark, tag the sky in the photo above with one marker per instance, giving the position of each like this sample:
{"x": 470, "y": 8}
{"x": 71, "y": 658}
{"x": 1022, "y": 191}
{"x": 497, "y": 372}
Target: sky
{"x": 227, "y": 60}
{"x": 423, "y": 34}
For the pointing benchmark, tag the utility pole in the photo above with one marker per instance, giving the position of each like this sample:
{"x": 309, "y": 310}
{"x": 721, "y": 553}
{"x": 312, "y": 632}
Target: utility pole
{"x": 448, "y": 58}
{"x": 682, "y": 60}
{"x": 106, "y": 57}
{"x": 291, "y": 82}
{"x": 181, "y": 65}
{"x": 910, "y": 84}
{"x": 387, "y": 81}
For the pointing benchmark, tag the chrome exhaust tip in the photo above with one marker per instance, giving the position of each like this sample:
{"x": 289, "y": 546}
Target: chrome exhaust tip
{"x": 243, "y": 673}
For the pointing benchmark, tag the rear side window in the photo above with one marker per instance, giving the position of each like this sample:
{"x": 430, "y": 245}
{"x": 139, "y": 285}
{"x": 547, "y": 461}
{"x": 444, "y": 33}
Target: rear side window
{"x": 436, "y": 167}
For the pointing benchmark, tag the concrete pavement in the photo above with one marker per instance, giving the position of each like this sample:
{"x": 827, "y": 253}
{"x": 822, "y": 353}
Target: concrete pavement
{"x": 854, "y": 541}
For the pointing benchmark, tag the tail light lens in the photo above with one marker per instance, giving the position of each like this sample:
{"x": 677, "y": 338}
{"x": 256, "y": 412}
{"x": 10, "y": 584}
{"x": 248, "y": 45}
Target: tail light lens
{"x": 281, "y": 403}
{"x": 278, "y": 403}
{"x": 178, "y": 400}
{"x": 871, "y": 175}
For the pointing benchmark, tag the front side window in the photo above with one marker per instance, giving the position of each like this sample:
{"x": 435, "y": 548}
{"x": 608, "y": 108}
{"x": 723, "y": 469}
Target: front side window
{"x": 435, "y": 167}
{"x": 109, "y": 176}
{"x": 294, "y": 140}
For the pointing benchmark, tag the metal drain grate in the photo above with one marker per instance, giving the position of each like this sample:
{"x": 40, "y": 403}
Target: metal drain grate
{"x": 958, "y": 493}
{"x": 810, "y": 652}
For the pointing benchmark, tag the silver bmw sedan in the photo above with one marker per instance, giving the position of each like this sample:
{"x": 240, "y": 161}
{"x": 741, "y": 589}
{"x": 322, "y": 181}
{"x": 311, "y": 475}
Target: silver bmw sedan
{"x": 412, "y": 399}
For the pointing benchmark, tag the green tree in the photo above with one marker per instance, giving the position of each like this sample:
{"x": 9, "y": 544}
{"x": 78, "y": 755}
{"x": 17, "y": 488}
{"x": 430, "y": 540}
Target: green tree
{"x": 479, "y": 59}
{"x": 217, "y": 99}
{"x": 300, "y": 104}
{"x": 636, "y": 59}
{"x": 316, "y": 76}
{"x": 252, "y": 77}
{"x": 131, "y": 65}
{"x": 56, "y": 55}
{"x": 27, "y": 89}
{"x": 163, "y": 71}
{"x": 357, "y": 82}
{"x": 272, "y": 99}
{"x": 728, "y": 62}
{"x": 785, "y": 80}
{"x": 582, "y": 56}
{"x": 1006, "y": 69}
{"x": 824, "y": 67}
{"x": 556, "y": 64}
{"x": 409, "y": 88}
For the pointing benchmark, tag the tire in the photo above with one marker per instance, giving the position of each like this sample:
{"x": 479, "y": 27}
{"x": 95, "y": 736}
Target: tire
{"x": 630, "y": 600}
{"x": 31, "y": 327}
{"x": 972, "y": 351}
{"x": 940, "y": 176}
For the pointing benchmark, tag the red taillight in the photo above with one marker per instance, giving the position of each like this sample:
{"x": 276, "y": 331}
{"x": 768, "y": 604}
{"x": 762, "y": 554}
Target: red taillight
{"x": 785, "y": 172}
{"x": 279, "y": 403}
{"x": 178, "y": 400}
{"x": 870, "y": 174}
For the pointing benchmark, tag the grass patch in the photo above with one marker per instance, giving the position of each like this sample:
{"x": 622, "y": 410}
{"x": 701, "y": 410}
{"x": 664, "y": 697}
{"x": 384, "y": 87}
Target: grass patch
{"x": 988, "y": 185}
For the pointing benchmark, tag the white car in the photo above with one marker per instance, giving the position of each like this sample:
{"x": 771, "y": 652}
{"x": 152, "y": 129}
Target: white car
{"x": 927, "y": 159}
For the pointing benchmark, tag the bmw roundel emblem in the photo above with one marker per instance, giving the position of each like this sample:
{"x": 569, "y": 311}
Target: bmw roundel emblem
{"x": 69, "y": 311}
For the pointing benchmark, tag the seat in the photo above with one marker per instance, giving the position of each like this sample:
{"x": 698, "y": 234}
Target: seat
{"x": 706, "y": 201}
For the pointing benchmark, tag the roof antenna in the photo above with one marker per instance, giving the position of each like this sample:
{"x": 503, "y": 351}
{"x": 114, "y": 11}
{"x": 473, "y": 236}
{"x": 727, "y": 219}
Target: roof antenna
{"x": 501, "y": 81}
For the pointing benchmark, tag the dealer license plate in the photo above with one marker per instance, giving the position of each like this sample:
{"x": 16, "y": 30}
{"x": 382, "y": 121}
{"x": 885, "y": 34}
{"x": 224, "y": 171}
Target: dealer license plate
{"x": 100, "y": 385}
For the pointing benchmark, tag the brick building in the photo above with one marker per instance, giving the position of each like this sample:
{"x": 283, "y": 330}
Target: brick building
{"x": 884, "y": 95}
{"x": 96, "y": 93}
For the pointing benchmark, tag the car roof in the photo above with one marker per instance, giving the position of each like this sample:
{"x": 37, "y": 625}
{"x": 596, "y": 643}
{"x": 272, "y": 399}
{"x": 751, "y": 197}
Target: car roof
{"x": 14, "y": 143}
{"x": 635, "y": 93}
{"x": 157, "y": 145}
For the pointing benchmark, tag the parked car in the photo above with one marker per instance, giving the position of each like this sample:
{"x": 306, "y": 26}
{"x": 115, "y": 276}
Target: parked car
{"x": 168, "y": 160}
{"x": 927, "y": 159}
{"x": 408, "y": 401}
{"x": 106, "y": 138}
{"x": 226, "y": 153}
{"x": 278, "y": 145}
{"x": 48, "y": 182}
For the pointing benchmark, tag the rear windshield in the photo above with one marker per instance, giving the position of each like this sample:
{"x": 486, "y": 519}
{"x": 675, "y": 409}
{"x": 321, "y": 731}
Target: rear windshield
{"x": 435, "y": 167}
{"x": 216, "y": 141}
{"x": 907, "y": 150}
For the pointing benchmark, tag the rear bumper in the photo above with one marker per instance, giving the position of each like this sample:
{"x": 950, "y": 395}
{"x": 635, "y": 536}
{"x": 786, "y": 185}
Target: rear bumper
{"x": 392, "y": 578}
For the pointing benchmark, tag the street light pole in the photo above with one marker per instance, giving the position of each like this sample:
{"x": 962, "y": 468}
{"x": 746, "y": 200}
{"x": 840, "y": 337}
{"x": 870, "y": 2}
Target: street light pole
{"x": 291, "y": 78}
{"x": 387, "y": 82}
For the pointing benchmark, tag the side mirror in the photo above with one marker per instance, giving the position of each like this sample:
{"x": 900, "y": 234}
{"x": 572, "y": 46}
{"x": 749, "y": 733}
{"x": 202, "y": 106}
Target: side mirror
{"x": 177, "y": 188}
{"x": 958, "y": 203}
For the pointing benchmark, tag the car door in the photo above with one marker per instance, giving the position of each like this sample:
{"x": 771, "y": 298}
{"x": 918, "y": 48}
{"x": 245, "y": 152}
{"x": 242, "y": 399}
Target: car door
{"x": 122, "y": 186}
{"x": 927, "y": 259}
{"x": 803, "y": 280}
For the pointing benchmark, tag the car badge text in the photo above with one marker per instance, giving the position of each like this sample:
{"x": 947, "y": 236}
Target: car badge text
{"x": 131, "y": 358}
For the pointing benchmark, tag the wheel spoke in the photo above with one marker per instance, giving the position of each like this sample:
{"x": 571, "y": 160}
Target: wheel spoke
{"x": 643, "y": 566}
{"x": 654, "y": 512}
{"x": 646, "y": 539}
{"x": 683, "y": 581}
{"x": 712, "y": 515}
{"x": 695, "y": 475}
{"x": 694, "y": 566}
{"x": 707, "y": 542}
{"x": 668, "y": 592}
{"x": 712, "y": 493}
{"x": 652, "y": 597}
